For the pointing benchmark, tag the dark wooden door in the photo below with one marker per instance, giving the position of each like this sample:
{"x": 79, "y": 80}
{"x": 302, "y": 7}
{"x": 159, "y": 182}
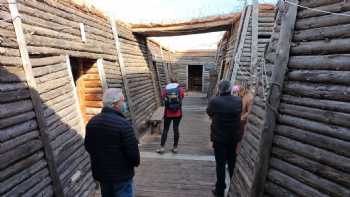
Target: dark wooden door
{"x": 195, "y": 74}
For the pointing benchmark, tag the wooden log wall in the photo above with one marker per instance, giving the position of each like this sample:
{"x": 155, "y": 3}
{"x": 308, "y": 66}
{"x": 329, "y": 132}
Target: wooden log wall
{"x": 162, "y": 61}
{"x": 24, "y": 169}
{"x": 64, "y": 123}
{"x": 310, "y": 151}
{"x": 182, "y": 60}
{"x": 139, "y": 74}
{"x": 238, "y": 46}
{"x": 51, "y": 32}
{"x": 180, "y": 71}
{"x": 265, "y": 28}
{"x": 245, "y": 172}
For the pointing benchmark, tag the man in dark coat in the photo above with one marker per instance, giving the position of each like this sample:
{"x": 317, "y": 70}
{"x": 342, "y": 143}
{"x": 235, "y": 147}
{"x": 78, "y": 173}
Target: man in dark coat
{"x": 224, "y": 111}
{"x": 110, "y": 140}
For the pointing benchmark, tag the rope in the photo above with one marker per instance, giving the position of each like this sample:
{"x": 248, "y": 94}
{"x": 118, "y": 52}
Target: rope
{"x": 315, "y": 9}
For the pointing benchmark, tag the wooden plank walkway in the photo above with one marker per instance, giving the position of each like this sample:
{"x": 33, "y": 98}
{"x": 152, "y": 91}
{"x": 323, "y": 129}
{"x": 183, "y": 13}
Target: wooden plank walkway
{"x": 189, "y": 173}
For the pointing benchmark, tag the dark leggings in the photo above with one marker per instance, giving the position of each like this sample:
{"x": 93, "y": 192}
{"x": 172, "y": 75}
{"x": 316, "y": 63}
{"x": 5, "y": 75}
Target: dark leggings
{"x": 176, "y": 123}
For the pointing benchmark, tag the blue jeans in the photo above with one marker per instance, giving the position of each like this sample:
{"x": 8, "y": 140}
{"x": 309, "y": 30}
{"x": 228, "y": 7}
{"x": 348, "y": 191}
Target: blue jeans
{"x": 122, "y": 189}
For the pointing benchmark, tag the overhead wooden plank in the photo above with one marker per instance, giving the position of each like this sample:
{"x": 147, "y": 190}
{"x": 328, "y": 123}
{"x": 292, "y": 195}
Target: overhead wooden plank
{"x": 123, "y": 71}
{"x": 37, "y": 104}
{"x": 210, "y": 24}
{"x": 273, "y": 100}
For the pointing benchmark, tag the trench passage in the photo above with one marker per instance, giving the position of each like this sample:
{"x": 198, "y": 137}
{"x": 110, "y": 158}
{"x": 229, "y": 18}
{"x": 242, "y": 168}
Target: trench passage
{"x": 191, "y": 172}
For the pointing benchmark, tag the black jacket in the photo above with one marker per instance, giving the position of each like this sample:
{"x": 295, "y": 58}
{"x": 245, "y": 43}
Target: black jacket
{"x": 225, "y": 113}
{"x": 112, "y": 145}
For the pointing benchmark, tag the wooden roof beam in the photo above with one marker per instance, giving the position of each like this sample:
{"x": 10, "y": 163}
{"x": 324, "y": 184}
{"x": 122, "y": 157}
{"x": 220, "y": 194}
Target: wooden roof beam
{"x": 211, "y": 24}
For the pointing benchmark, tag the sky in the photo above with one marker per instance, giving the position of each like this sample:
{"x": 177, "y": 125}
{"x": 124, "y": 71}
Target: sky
{"x": 167, "y": 11}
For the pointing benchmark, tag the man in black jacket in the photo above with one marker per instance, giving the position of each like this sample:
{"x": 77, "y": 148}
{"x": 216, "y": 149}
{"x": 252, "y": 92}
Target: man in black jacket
{"x": 224, "y": 111}
{"x": 110, "y": 140}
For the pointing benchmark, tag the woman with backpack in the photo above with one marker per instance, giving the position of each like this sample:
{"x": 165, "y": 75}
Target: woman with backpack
{"x": 172, "y": 96}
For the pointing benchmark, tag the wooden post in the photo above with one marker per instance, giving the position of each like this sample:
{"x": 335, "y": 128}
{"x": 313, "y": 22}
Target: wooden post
{"x": 150, "y": 63}
{"x": 241, "y": 44}
{"x": 273, "y": 100}
{"x": 123, "y": 71}
{"x": 75, "y": 94}
{"x": 254, "y": 47}
{"x": 102, "y": 74}
{"x": 35, "y": 97}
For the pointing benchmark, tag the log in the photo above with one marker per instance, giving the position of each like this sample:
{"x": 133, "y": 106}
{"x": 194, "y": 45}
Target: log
{"x": 33, "y": 10}
{"x": 60, "y": 127}
{"x": 317, "y": 154}
{"x": 324, "y": 47}
{"x": 293, "y": 185}
{"x": 49, "y": 69}
{"x": 315, "y": 90}
{"x": 309, "y": 178}
{"x": 319, "y": 115}
{"x": 52, "y": 85}
{"x": 276, "y": 190}
{"x": 77, "y": 157}
{"x": 52, "y": 60}
{"x": 21, "y": 176}
{"x": 322, "y": 21}
{"x": 21, "y": 165}
{"x": 4, "y": 51}
{"x": 312, "y": 166}
{"x": 57, "y": 101}
{"x": 322, "y": 33}
{"x": 322, "y": 62}
{"x": 42, "y": 41}
{"x": 40, "y": 189}
{"x": 21, "y": 151}
{"x": 55, "y": 93}
{"x": 331, "y": 7}
{"x": 62, "y": 138}
{"x": 27, "y": 184}
{"x": 12, "y": 86}
{"x": 13, "y": 96}
{"x": 69, "y": 13}
{"x": 19, "y": 129}
{"x": 13, "y": 108}
{"x": 13, "y": 120}
{"x": 53, "y": 76}
{"x": 318, "y": 3}
{"x": 282, "y": 58}
{"x": 309, "y": 137}
{"x": 322, "y": 128}
{"x": 40, "y": 50}
{"x": 316, "y": 103}
{"x": 11, "y": 144}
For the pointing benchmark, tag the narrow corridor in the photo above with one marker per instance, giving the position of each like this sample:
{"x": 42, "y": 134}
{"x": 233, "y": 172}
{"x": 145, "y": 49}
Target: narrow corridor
{"x": 191, "y": 172}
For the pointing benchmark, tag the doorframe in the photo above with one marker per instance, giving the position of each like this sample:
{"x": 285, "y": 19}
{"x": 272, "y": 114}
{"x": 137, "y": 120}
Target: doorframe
{"x": 187, "y": 75}
{"x": 75, "y": 95}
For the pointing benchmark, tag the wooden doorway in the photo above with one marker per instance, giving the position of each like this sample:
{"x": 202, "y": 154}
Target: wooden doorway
{"x": 195, "y": 78}
{"x": 88, "y": 85}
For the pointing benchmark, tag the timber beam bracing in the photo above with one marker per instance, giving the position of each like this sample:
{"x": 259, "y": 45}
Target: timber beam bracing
{"x": 211, "y": 24}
